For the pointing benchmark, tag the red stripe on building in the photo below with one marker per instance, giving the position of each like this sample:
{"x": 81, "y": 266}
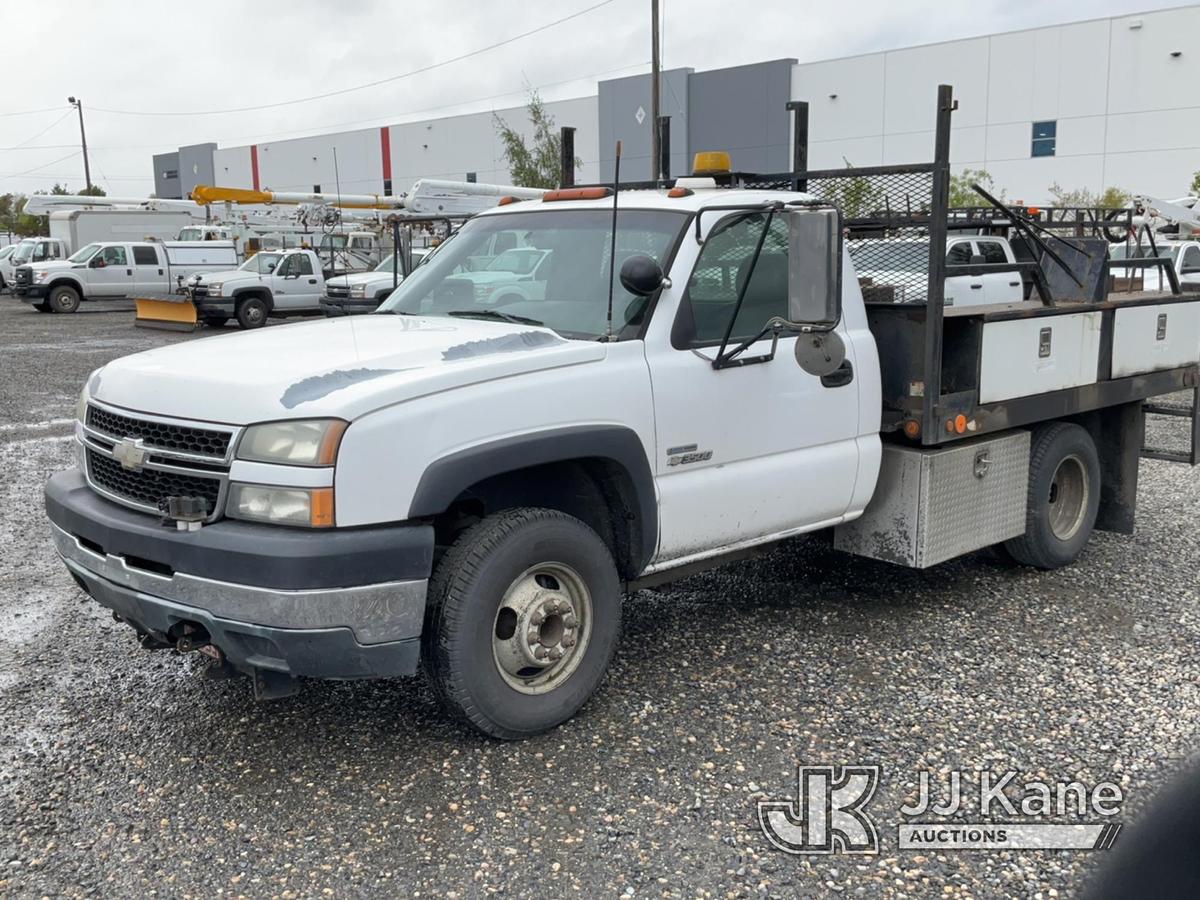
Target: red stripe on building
{"x": 254, "y": 165}
{"x": 385, "y": 148}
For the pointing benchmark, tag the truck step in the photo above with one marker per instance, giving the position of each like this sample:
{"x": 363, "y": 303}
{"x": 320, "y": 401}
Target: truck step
{"x": 1167, "y": 455}
{"x": 1161, "y": 407}
{"x": 1169, "y": 409}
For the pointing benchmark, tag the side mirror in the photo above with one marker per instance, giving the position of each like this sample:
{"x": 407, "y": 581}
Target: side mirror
{"x": 98, "y": 263}
{"x": 814, "y": 267}
{"x": 978, "y": 259}
{"x": 641, "y": 276}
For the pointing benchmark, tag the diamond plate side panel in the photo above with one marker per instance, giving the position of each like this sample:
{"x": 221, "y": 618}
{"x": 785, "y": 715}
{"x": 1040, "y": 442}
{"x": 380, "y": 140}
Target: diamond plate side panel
{"x": 962, "y": 510}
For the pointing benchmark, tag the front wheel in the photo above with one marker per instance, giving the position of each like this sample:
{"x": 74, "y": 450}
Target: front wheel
{"x": 1063, "y": 497}
{"x": 523, "y": 616}
{"x": 252, "y": 312}
{"x": 63, "y": 299}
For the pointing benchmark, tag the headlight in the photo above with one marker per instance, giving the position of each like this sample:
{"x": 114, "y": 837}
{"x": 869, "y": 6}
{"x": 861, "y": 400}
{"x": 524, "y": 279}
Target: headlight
{"x": 311, "y": 442}
{"x": 82, "y": 403}
{"x": 40, "y": 276}
{"x": 309, "y": 508}
{"x": 214, "y": 289}
{"x": 483, "y": 290}
{"x": 358, "y": 290}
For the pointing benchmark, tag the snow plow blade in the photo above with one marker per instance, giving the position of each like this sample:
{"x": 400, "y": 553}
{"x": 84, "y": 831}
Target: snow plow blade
{"x": 177, "y": 314}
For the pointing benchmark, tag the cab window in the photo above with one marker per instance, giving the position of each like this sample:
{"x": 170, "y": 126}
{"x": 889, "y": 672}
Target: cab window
{"x": 144, "y": 255}
{"x": 114, "y": 256}
{"x": 959, "y": 254}
{"x": 723, "y": 266}
{"x": 992, "y": 252}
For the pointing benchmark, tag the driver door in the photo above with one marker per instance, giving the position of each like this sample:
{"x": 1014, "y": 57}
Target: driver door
{"x": 110, "y": 273}
{"x": 753, "y": 450}
{"x": 295, "y": 285}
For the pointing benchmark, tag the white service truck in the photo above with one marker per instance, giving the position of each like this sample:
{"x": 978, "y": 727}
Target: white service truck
{"x": 105, "y": 270}
{"x": 269, "y": 283}
{"x": 30, "y": 250}
{"x": 362, "y": 292}
{"x": 76, "y": 228}
{"x": 473, "y": 486}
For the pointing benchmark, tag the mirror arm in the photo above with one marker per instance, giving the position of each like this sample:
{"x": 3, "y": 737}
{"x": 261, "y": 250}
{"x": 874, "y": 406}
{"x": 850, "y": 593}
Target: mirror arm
{"x": 733, "y": 358}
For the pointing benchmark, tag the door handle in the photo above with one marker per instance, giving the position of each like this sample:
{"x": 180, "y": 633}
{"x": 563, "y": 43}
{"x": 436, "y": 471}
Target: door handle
{"x": 312, "y": 281}
{"x": 129, "y": 272}
{"x": 160, "y": 271}
{"x": 977, "y": 287}
{"x": 839, "y": 377}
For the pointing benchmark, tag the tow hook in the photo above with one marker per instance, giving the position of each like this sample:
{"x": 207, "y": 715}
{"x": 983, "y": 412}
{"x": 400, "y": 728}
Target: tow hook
{"x": 188, "y": 637}
{"x": 271, "y": 685}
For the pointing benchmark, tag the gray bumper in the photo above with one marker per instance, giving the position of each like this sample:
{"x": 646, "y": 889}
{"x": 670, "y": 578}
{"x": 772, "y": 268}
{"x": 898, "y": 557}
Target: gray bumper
{"x": 372, "y": 631}
{"x": 345, "y": 603}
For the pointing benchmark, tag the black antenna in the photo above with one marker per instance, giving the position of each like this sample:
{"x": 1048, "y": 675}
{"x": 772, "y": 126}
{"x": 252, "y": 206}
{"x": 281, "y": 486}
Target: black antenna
{"x": 337, "y": 184}
{"x": 612, "y": 259}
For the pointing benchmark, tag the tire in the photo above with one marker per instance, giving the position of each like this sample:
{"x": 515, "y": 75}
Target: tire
{"x": 63, "y": 299}
{"x": 252, "y": 312}
{"x": 1063, "y": 497}
{"x": 216, "y": 321}
{"x": 496, "y": 599}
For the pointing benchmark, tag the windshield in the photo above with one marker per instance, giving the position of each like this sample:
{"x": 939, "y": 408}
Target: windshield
{"x": 23, "y": 252}
{"x": 261, "y": 263}
{"x": 336, "y": 241}
{"x": 190, "y": 234}
{"x": 1132, "y": 251}
{"x": 6, "y": 252}
{"x": 83, "y": 254}
{"x": 890, "y": 256}
{"x": 519, "y": 262}
{"x": 569, "y": 292}
{"x": 387, "y": 263}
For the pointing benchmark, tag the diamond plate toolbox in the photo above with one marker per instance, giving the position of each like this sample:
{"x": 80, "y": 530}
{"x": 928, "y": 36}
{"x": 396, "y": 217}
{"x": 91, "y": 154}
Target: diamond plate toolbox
{"x": 934, "y": 505}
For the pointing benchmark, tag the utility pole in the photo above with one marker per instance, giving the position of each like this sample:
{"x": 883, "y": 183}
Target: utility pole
{"x": 655, "y": 66}
{"x": 87, "y": 169}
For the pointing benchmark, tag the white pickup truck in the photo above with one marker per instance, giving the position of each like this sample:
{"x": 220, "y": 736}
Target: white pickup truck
{"x": 28, "y": 251}
{"x": 362, "y": 292}
{"x": 117, "y": 269}
{"x": 1183, "y": 257}
{"x": 474, "y": 486}
{"x": 270, "y": 283}
{"x": 899, "y": 267}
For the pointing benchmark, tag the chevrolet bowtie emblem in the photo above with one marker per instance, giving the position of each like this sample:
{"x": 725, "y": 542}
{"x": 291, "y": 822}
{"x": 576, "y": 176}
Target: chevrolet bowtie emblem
{"x": 130, "y": 453}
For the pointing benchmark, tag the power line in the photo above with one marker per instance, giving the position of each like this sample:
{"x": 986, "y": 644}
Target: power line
{"x": 359, "y": 87}
{"x": 42, "y": 166}
{"x": 43, "y": 131}
{"x": 30, "y": 112}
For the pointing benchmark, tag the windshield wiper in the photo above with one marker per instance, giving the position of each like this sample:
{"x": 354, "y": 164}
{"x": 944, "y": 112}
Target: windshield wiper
{"x": 392, "y": 312}
{"x": 493, "y": 314}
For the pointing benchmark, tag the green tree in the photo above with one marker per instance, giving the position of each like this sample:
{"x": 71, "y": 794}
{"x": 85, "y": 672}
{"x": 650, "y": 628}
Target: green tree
{"x": 1195, "y": 188}
{"x": 963, "y": 194}
{"x": 94, "y": 191}
{"x": 1111, "y": 198}
{"x": 535, "y": 165}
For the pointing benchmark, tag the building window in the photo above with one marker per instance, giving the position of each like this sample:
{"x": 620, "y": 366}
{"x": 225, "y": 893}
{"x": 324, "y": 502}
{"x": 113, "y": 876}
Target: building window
{"x": 316, "y": 189}
{"x": 1044, "y": 134}
{"x": 471, "y": 178}
{"x": 171, "y": 173}
{"x": 387, "y": 187}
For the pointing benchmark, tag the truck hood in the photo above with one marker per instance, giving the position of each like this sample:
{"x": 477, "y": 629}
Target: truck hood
{"x": 227, "y": 275}
{"x": 343, "y": 368}
{"x": 50, "y": 265}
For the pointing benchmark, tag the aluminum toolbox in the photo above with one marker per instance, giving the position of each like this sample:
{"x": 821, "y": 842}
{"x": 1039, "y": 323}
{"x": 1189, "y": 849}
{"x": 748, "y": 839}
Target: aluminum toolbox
{"x": 934, "y": 505}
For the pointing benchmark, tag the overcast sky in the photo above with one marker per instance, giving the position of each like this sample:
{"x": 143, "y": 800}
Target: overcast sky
{"x": 199, "y": 59}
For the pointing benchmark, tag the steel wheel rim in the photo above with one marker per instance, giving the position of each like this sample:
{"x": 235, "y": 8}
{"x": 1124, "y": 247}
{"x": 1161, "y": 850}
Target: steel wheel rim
{"x": 254, "y": 314}
{"x": 541, "y": 631}
{"x": 1070, "y": 491}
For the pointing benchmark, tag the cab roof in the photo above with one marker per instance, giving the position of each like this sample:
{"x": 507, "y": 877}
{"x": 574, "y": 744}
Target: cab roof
{"x": 698, "y": 198}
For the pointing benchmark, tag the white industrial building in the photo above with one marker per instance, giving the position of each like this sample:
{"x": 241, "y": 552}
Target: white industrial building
{"x": 1091, "y": 104}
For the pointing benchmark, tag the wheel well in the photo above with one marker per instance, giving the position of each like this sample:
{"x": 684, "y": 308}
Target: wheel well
{"x": 261, "y": 293}
{"x": 1117, "y": 432}
{"x": 597, "y": 491}
{"x": 65, "y": 282}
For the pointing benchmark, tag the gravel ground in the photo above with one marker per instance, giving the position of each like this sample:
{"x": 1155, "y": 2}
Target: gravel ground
{"x": 124, "y": 772}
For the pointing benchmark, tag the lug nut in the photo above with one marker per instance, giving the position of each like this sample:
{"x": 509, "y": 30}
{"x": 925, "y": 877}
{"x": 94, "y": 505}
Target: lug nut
{"x": 539, "y": 651}
{"x": 538, "y": 617}
{"x": 569, "y": 620}
{"x": 569, "y": 640}
{"x": 556, "y": 653}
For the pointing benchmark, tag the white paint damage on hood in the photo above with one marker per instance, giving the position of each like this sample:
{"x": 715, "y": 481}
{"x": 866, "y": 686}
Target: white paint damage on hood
{"x": 343, "y": 368}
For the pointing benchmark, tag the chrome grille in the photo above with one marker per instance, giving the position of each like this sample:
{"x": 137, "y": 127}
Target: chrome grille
{"x": 149, "y": 488}
{"x": 161, "y": 435}
{"x": 337, "y": 292}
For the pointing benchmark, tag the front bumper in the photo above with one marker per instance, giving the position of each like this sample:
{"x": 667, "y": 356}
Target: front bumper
{"x": 31, "y": 293}
{"x": 344, "y": 603}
